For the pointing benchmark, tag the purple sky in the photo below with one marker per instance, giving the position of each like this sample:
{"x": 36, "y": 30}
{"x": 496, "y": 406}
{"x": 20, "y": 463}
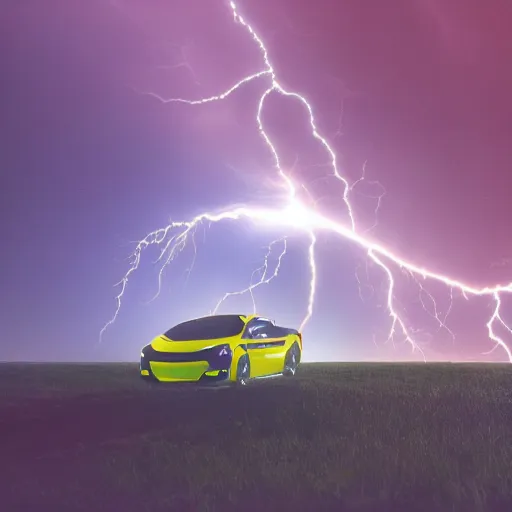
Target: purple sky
{"x": 90, "y": 165}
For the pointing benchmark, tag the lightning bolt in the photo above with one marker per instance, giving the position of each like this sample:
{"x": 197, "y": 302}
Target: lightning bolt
{"x": 295, "y": 216}
{"x": 263, "y": 279}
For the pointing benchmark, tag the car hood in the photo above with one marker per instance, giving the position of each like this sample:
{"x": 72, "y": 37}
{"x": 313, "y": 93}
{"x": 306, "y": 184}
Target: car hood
{"x": 164, "y": 344}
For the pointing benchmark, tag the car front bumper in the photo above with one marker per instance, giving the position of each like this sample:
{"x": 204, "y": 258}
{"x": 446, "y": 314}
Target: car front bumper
{"x": 202, "y": 365}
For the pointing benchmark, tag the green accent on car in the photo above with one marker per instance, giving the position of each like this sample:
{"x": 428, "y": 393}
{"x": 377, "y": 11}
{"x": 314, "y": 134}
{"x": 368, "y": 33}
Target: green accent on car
{"x": 169, "y": 372}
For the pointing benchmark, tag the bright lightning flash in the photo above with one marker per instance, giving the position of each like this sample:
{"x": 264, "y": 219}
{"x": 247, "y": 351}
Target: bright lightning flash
{"x": 294, "y": 215}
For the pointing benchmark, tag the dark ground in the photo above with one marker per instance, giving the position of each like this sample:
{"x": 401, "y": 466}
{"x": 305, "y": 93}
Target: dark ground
{"x": 359, "y": 437}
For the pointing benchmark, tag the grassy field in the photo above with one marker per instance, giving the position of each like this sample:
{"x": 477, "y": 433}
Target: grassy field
{"x": 359, "y": 437}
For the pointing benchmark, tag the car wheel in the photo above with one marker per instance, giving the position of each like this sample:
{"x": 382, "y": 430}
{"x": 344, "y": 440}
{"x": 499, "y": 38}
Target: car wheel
{"x": 243, "y": 370}
{"x": 291, "y": 361}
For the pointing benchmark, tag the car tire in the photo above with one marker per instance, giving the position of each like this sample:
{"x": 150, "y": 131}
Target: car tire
{"x": 243, "y": 370}
{"x": 291, "y": 361}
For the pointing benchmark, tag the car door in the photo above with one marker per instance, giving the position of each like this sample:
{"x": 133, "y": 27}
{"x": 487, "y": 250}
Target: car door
{"x": 265, "y": 347}
{"x": 274, "y": 351}
{"x": 255, "y": 337}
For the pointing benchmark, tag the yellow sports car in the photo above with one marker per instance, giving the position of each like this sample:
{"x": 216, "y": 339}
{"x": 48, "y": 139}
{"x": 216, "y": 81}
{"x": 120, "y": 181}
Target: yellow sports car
{"x": 229, "y": 348}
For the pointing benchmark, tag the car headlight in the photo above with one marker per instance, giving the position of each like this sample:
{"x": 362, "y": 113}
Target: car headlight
{"x": 224, "y": 350}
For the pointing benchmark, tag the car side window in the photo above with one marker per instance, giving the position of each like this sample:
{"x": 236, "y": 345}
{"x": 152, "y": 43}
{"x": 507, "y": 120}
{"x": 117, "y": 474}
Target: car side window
{"x": 258, "y": 328}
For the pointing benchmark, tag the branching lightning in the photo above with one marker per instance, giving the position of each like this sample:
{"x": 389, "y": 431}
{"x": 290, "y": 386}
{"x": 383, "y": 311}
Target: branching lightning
{"x": 265, "y": 276}
{"x": 295, "y": 216}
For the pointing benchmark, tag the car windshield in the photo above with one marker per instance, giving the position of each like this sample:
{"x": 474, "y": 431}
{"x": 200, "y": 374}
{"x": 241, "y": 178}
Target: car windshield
{"x": 207, "y": 328}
